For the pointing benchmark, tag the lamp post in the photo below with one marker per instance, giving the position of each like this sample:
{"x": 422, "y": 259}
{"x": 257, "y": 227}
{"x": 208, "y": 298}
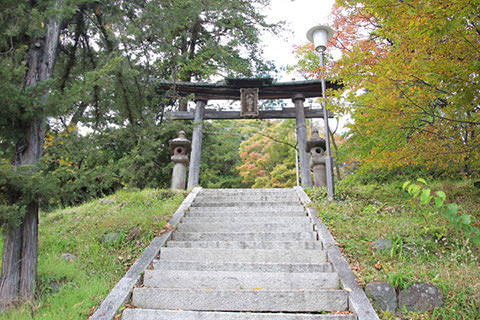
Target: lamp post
{"x": 320, "y": 35}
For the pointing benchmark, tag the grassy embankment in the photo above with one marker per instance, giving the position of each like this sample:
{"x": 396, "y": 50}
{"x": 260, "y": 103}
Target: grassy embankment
{"x": 73, "y": 289}
{"x": 426, "y": 247}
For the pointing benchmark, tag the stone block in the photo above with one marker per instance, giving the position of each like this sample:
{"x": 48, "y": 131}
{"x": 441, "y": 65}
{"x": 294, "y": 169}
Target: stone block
{"x": 241, "y": 300}
{"x": 245, "y": 214}
{"x": 244, "y": 220}
{"x": 260, "y": 211}
{"x": 244, "y": 267}
{"x": 243, "y": 255}
{"x": 242, "y": 204}
{"x": 246, "y": 198}
{"x": 239, "y": 280}
{"x": 247, "y": 227}
{"x": 287, "y": 245}
{"x": 149, "y": 314}
{"x": 243, "y": 236}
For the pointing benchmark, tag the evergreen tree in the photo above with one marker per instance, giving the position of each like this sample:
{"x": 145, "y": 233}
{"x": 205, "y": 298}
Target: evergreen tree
{"x": 96, "y": 63}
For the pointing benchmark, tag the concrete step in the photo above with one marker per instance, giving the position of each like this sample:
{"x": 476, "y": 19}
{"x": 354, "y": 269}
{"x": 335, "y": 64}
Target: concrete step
{"x": 259, "y": 210}
{"x": 248, "y": 191}
{"x": 250, "y": 204}
{"x": 243, "y": 220}
{"x": 243, "y": 267}
{"x": 243, "y": 255}
{"x": 243, "y": 236}
{"x": 246, "y": 198}
{"x": 288, "y": 245}
{"x": 245, "y": 214}
{"x": 239, "y": 280}
{"x": 241, "y": 300}
{"x": 150, "y": 314}
{"x": 250, "y": 227}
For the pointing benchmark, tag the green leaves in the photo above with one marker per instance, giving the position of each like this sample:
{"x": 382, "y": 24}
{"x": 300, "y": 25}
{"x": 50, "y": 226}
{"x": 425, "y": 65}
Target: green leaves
{"x": 450, "y": 211}
{"x": 19, "y": 188}
{"x": 440, "y": 199}
{"x": 425, "y": 197}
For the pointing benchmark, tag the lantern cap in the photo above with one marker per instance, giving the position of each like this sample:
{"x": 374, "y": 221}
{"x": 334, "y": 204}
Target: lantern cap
{"x": 180, "y": 141}
{"x": 320, "y": 35}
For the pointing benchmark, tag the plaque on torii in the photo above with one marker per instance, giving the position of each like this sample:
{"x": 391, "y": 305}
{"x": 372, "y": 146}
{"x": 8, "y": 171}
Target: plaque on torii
{"x": 249, "y": 102}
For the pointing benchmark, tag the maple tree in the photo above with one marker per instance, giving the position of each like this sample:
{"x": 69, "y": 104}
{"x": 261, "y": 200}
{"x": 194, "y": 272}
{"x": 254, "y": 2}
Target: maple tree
{"x": 268, "y": 156}
{"x": 411, "y": 82}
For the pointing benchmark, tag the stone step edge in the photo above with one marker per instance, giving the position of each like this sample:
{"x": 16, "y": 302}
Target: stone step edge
{"x": 250, "y": 219}
{"x": 357, "y": 299}
{"x": 302, "y": 235}
{"x": 243, "y": 255}
{"x": 241, "y": 300}
{"x": 285, "y": 245}
{"x": 238, "y": 280}
{"x": 245, "y": 267}
{"x": 246, "y": 204}
{"x": 247, "y": 227}
{"x": 152, "y": 314}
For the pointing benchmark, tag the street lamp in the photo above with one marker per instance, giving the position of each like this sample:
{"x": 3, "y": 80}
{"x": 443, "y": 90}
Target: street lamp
{"x": 320, "y": 35}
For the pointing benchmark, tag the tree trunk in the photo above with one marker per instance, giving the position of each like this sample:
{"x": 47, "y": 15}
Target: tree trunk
{"x": 10, "y": 279}
{"x": 20, "y": 250}
{"x": 28, "y": 274}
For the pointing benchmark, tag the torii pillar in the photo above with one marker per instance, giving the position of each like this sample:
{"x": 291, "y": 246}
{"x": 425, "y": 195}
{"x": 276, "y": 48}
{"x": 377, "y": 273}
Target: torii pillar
{"x": 301, "y": 129}
{"x": 195, "y": 157}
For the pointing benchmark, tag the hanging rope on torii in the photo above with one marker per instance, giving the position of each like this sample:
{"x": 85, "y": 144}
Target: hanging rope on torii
{"x": 249, "y": 91}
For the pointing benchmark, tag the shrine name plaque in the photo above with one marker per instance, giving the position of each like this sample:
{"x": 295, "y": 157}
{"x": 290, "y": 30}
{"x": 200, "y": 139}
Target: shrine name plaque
{"x": 249, "y": 101}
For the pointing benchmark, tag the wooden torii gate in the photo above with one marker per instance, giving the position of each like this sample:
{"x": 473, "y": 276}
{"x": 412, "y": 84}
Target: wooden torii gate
{"x": 248, "y": 91}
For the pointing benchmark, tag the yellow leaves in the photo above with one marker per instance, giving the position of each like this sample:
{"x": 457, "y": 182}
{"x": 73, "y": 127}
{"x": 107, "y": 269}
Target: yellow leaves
{"x": 65, "y": 162}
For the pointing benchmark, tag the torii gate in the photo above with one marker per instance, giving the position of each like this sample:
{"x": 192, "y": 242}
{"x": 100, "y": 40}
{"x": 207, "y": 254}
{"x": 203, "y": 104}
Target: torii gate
{"x": 248, "y": 91}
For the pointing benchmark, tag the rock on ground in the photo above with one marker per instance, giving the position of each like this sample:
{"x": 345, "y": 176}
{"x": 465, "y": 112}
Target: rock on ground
{"x": 382, "y": 244}
{"x": 382, "y": 295}
{"x": 421, "y": 297}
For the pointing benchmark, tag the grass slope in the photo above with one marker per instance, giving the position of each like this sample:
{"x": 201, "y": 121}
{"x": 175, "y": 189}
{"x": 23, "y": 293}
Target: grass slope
{"x": 426, "y": 247}
{"x": 73, "y": 289}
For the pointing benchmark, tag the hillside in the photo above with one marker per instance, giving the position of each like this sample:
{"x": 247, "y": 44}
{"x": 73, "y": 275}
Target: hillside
{"x": 387, "y": 237}
{"x": 105, "y": 236}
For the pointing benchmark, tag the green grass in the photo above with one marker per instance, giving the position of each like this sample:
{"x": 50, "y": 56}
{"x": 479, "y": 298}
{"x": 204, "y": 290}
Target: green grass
{"x": 73, "y": 289}
{"x": 426, "y": 248}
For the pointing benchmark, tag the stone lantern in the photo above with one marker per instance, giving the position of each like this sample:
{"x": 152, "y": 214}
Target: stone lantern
{"x": 180, "y": 147}
{"x": 316, "y": 148}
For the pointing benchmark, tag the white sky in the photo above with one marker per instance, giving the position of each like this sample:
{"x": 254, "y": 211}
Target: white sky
{"x": 299, "y": 16}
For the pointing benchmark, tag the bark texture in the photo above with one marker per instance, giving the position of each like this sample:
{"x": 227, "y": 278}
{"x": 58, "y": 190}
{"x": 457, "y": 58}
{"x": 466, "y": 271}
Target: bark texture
{"x": 20, "y": 251}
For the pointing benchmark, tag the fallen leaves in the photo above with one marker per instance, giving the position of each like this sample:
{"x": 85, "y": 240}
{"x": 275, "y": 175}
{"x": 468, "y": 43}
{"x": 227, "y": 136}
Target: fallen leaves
{"x": 167, "y": 228}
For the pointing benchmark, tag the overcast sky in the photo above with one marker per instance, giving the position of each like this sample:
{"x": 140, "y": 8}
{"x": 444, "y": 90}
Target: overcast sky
{"x": 299, "y": 15}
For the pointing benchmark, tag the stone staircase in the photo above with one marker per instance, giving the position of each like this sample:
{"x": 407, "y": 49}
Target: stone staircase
{"x": 242, "y": 254}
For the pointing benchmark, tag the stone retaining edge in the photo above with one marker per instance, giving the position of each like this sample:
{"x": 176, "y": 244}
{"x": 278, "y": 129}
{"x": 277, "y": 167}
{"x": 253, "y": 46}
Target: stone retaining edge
{"x": 122, "y": 290}
{"x": 357, "y": 299}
